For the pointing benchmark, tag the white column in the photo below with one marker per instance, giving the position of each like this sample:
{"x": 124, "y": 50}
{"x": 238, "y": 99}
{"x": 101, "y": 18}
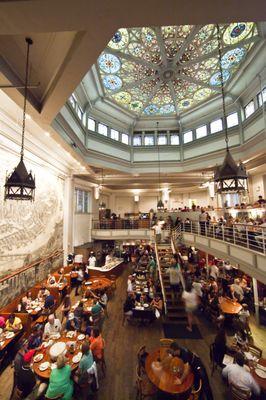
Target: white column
{"x": 68, "y": 216}
{"x": 256, "y": 298}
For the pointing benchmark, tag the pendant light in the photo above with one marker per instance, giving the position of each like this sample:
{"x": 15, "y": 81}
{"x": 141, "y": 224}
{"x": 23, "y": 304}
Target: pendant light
{"x": 20, "y": 185}
{"x": 102, "y": 205}
{"x": 160, "y": 205}
{"x": 229, "y": 177}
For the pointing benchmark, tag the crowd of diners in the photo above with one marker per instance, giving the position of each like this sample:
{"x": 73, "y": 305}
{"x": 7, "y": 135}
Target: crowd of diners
{"x": 224, "y": 294}
{"x": 55, "y": 317}
{"x": 144, "y": 303}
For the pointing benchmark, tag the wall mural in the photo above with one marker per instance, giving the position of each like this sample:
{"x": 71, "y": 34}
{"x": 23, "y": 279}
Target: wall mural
{"x": 29, "y": 231}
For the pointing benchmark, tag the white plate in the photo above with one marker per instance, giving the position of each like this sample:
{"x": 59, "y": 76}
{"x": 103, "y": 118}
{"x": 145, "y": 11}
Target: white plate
{"x": 88, "y": 283}
{"x": 70, "y": 334}
{"x": 146, "y": 305}
{"x": 47, "y": 344}
{"x": 76, "y": 359}
{"x": 44, "y": 366}
{"x": 10, "y": 335}
{"x": 38, "y": 358}
{"x": 260, "y": 373}
{"x": 38, "y": 309}
{"x": 81, "y": 336}
{"x": 2, "y": 343}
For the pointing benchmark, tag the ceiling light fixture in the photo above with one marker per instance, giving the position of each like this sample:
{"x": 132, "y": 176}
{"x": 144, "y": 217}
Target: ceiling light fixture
{"x": 160, "y": 205}
{"x": 20, "y": 185}
{"x": 229, "y": 177}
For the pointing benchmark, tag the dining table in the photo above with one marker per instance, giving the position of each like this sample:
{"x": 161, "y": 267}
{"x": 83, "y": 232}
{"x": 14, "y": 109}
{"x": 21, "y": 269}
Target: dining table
{"x": 165, "y": 379}
{"x": 4, "y": 342}
{"x": 260, "y": 365}
{"x": 229, "y": 306}
{"x": 45, "y": 351}
{"x": 97, "y": 283}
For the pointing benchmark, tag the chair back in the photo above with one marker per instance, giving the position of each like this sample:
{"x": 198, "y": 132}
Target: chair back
{"x": 195, "y": 393}
{"x": 60, "y": 396}
{"x": 238, "y": 393}
{"x": 164, "y": 345}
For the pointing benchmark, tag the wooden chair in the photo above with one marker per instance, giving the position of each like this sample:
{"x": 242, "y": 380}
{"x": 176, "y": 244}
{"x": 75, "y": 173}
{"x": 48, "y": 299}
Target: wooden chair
{"x": 16, "y": 394}
{"x": 195, "y": 394}
{"x": 214, "y": 364}
{"x": 255, "y": 351}
{"x": 238, "y": 394}
{"x": 145, "y": 388}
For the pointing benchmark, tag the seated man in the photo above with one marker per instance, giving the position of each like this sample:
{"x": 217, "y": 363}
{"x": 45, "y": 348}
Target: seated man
{"x": 72, "y": 323}
{"x": 13, "y": 323}
{"x": 51, "y": 327}
{"x": 26, "y": 381}
{"x": 49, "y": 301}
{"x": 96, "y": 309}
{"x": 236, "y": 374}
{"x": 181, "y": 352}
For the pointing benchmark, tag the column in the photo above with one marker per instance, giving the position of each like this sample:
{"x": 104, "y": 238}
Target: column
{"x": 256, "y": 298}
{"x": 68, "y": 216}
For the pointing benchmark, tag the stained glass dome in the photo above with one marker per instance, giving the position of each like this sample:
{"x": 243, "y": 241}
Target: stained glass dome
{"x": 163, "y": 71}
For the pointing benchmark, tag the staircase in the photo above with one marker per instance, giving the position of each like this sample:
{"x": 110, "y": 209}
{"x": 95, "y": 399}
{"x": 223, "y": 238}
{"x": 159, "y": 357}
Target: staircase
{"x": 174, "y": 306}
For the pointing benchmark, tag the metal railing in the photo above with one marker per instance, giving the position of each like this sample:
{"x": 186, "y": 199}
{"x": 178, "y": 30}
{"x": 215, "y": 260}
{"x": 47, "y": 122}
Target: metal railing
{"x": 252, "y": 237}
{"x": 123, "y": 224}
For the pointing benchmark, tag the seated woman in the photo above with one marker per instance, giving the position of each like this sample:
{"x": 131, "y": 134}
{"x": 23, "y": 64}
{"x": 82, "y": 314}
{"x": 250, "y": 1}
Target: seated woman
{"x": 157, "y": 303}
{"x": 96, "y": 344}
{"x": 35, "y": 338}
{"x": 84, "y": 364}
{"x": 66, "y": 306}
{"x": 60, "y": 380}
{"x": 72, "y": 323}
{"x": 51, "y": 281}
{"x": 13, "y": 324}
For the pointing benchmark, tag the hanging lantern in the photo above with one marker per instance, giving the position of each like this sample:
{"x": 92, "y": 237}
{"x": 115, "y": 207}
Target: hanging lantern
{"x": 102, "y": 206}
{"x": 229, "y": 177}
{"x": 20, "y": 184}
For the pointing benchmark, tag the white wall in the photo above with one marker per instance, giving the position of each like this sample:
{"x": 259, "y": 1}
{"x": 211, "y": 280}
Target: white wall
{"x": 257, "y": 187}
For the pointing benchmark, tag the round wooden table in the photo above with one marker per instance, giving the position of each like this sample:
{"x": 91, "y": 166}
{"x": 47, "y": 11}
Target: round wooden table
{"x": 164, "y": 379}
{"x": 97, "y": 284}
{"x": 260, "y": 381}
{"x": 229, "y": 306}
{"x": 46, "y": 352}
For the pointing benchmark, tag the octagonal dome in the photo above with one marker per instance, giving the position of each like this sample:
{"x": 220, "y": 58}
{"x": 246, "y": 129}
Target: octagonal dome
{"x": 164, "y": 71}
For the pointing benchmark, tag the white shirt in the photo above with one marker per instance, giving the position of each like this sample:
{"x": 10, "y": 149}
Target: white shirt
{"x": 92, "y": 261}
{"x": 197, "y": 286}
{"x": 158, "y": 229}
{"x": 52, "y": 329}
{"x": 129, "y": 286}
{"x": 241, "y": 378}
{"x": 190, "y": 298}
{"x": 214, "y": 271}
{"x": 108, "y": 258}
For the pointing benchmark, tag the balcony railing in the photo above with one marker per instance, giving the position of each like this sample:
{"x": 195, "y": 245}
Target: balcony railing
{"x": 123, "y": 224}
{"x": 245, "y": 235}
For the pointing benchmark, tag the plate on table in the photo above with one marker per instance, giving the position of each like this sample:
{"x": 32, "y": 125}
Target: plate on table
{"x": 38, "y": 309}
{"x": 76, "y": 359}
{"x": 145, "y": 305}
{"x": 70, "y": 334}
{"x": 260, "y": 373}
{"x": 44, "y": 366}
{"x": 10, "y": 335}
{"x": 81, "y": 336}
{"x": 88, "y": 283}
{"x": 2, "y": 343}
{"x": 38, "y": 358}
{"x": 47, "y": 344}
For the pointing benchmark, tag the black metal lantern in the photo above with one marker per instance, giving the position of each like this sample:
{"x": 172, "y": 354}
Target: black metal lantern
{"x": 20, "y": 184}
{"x": 160, "y": 205}
{"x": 229, "y": 177}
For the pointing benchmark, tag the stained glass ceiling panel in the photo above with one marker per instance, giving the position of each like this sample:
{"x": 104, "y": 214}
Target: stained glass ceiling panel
{"x": 167, "y": 70}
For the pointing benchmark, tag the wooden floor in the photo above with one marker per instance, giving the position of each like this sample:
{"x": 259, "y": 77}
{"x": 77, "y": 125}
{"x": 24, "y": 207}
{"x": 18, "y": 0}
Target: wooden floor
{"x": 122, "y": 344}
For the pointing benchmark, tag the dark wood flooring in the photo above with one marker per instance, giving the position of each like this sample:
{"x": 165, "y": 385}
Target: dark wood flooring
{"x": 122, "y": 344}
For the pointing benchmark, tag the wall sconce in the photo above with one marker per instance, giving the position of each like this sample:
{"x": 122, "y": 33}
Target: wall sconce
{"x": 136, "y": 198}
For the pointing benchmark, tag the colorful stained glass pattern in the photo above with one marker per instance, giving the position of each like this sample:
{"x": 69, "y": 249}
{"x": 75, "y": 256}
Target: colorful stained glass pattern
{"x": 109, "y": 63}
{"x": 167, "y": 70}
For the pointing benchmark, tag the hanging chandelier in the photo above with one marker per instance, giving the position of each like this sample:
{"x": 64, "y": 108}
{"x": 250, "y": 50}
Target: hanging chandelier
{"x": 102, "y": 205}
{"x": 20, "y": 184}
{"x": 229, "y": 177}
{"x": 160, "y": 205}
